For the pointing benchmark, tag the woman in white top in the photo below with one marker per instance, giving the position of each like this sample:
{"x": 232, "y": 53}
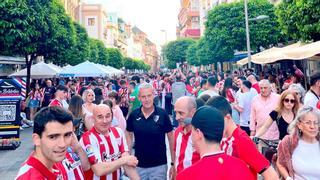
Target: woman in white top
{"x": 299, "y": 152}
{"x": 87, "y": 108}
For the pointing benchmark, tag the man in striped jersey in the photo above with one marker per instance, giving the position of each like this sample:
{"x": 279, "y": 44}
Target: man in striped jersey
{"x": 185, "y": 154}
{"x": 107, "y": 148}
{"x": 52, "y": 135}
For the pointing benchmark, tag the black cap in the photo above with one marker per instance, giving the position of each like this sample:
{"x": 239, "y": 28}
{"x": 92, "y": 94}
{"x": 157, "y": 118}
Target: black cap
{"x": 210, "y": 121}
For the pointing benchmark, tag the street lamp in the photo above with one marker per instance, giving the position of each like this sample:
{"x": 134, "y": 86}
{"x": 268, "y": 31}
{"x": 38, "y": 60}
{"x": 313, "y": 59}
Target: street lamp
{"x": 258, "y": 18}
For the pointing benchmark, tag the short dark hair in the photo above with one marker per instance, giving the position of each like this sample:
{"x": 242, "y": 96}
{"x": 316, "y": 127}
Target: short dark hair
{"x": 122, "y": 82}
{"x": 247, "y": 84}
{"x": 115, "y": 95}
{"x": 314, "y": 78}
{"x": 221, "y": 104}
{"x": 136, "y": 79}
{"x": 203, "y": 82}
{"x": 200, "y": 102}
{"x": 242, "y": 78}
{"x": 132, "y": 84}
{"x": 62, "y": 88}
{"x": 212, "y": 81}
{"x": 50, "y": 114}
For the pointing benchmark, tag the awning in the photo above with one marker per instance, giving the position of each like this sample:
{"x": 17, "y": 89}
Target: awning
{"x": 273, "y": 54}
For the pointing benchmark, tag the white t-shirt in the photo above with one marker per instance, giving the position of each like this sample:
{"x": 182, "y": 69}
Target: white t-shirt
{"x": 310, "y": 99}
{"x": 211, "y": 93}
{"x": 245, "y": 101}
{"x": 305, "y": 161}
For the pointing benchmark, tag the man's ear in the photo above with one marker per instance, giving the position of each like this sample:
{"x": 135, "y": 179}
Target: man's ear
{"x": 228, "y": 117}
{"x": 36, "y": 139}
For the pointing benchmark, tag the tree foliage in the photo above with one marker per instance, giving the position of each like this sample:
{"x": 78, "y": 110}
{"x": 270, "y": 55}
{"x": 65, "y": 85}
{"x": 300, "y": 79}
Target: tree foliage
{"x": 132, "y": 64}
{"x": 32, "y": 28}
{"x": 300, "y": 19}
{"x": 192, "y": 57}
{"x": 176, "y": 51}
{"x": 81, "y": 50}
{"x": 115, "y": 58}
{"x": 225, "y": 28}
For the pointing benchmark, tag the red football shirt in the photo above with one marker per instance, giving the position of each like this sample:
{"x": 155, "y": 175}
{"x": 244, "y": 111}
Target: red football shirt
{"x": 34, "y": 169}
{"x": 71, "y": 166}
{"x": 217, "y": 166}
{"x": 55, "y": 102}
{"x": 101, "y": 148}
{"x": 257, "y": 87}
{"x": 241, "y": 146}
{"x": 184, "y": 151}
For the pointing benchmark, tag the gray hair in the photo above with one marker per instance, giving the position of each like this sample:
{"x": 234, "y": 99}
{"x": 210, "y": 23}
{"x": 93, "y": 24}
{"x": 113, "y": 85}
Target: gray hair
{"x": 85, "y": 94}
{"x": 265, "y": 81}
{"x": 299, "y": 89}
{"x": 192, "y": 104}
{"x": 293, "y": 128}
{"x": 144, "y": 86}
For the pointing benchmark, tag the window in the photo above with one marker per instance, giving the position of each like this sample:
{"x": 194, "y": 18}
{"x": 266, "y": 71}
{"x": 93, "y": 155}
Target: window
{"x": 91, "y": 21}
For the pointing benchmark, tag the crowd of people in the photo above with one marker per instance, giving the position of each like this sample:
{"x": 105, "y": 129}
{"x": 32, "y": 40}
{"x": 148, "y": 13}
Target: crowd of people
{"x": 210, "y": 123}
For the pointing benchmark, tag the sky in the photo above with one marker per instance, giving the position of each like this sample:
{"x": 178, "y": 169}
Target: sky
{"x": 151, "y": 16}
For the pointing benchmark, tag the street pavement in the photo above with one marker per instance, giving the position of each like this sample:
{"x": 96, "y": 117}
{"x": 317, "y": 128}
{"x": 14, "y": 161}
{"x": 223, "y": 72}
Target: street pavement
{"x": 11, "y": 160}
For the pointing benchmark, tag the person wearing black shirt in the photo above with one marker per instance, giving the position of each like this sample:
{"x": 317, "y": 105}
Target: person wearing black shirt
{"x": 48, "y": 93}
{"x": 283, "y": 115}
{"x": 148, "y": 125}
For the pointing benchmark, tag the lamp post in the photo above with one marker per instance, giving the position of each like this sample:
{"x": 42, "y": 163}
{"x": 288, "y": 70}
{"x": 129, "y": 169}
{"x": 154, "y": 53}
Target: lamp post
{"x": 261, "y": 17}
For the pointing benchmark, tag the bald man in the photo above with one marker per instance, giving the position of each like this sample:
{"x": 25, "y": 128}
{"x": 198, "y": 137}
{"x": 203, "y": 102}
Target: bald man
{"x": 184, "y": 153}
{"x": 107, "y": 148}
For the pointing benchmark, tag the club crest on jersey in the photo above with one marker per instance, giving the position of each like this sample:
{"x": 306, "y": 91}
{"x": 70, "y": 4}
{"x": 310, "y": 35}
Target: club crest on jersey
{"x": 156, "y": 118}
{"x": 89, "y": 150}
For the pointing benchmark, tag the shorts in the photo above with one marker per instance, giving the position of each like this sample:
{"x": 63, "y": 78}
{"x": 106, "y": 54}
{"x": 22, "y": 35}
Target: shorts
{"x": 34, "y": 103}
{"x": 153, "y": 173}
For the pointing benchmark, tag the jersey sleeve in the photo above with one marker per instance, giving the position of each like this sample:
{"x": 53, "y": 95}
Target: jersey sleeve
{"x": 273, "y": 115}
{"x": 91, "y": 148}
{"x": 249, "y": 153}
{"x": 167, "y": 123}
{"x": 130, "y": 122}
{"x": 123, "y": 146}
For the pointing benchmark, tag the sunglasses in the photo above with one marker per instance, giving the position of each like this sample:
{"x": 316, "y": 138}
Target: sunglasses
{"x": 292, "y": 101}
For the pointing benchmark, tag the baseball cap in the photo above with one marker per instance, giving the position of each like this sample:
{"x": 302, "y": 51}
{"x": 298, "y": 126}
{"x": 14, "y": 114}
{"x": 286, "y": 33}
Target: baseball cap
{"x": 210, "y": 121}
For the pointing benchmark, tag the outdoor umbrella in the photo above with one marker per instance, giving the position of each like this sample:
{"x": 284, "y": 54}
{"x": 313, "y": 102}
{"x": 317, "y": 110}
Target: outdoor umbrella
{"x": 38, "y": 71}
{"x": 85, "y": 69}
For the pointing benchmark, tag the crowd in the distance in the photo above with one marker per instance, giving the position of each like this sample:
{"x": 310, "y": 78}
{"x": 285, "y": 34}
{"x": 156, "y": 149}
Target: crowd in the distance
{"x": 111, "y": 128}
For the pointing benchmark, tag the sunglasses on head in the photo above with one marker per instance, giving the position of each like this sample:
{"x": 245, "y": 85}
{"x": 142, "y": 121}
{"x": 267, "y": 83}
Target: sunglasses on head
{"x": 292, "y": 101}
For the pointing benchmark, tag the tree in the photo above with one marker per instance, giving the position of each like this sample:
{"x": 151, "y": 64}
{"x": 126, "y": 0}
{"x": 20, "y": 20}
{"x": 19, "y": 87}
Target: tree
{"x": 192, "y": 57}
{"x": 128, "y": 63}
{"x": 102, "y": 53}
{"x": 176, "y": 51}
{"x": 204, "y": 54}
{"x": 115, "y": 58}
{"x": 32, "y": 28}
{"x": 299, "y": 19}
{"x": 81, "y": 50}
{"x": 225, "y": 28}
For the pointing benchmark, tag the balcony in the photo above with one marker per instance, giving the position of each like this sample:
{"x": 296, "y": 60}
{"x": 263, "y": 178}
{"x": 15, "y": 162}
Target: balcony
{"x": 193, "y": 33}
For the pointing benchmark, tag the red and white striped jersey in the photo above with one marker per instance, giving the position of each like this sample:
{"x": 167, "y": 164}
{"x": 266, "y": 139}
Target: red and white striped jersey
{"x": 101, "y": 148}
{"x": 184, "y": 151}
{"x": 72, "y": 168}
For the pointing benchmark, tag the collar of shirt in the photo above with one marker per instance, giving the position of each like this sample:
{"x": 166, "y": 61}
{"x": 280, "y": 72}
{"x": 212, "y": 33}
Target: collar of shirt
{"x": 155, "y": 112}
{"x": 35, "y": 163}
{"x": 212, "y": 154}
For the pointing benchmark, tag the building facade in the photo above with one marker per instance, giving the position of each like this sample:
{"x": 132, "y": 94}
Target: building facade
{"x": 72, "y": 8}
{"x": 188, "y": 18}
{"x": 94, "y": 19}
